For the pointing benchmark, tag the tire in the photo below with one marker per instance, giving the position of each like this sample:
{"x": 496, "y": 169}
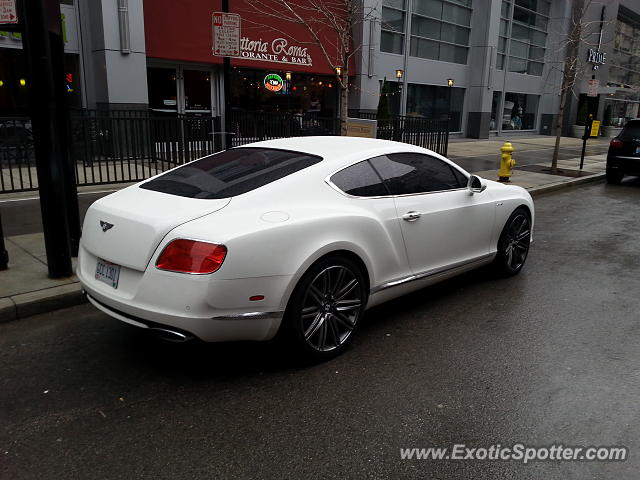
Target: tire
{"x": 614, "y": 176}
{"x": 325, "y": 309}
{"x": 513, "y": 245}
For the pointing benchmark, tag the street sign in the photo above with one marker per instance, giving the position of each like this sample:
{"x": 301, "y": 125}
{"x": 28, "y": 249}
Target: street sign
{"x": 592, "y": 91}
{"x": 8, "y": 14}
{"x": 595, "y": 127}
{"x": 226, "y": 34}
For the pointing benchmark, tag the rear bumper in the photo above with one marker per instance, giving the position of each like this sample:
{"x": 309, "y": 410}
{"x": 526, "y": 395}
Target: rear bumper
{"x": 213, "y": 310}
{"x": 223, "y": 328}
{"x": 626, "y": 164}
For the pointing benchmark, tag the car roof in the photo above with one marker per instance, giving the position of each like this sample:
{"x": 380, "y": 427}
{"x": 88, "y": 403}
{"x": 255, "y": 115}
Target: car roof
{"x": 338, "y": 149}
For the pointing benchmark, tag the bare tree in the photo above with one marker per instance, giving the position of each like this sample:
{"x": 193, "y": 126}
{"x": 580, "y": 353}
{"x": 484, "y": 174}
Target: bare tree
{"x": 581, "y": 32}
{"x": 329, "y": 25}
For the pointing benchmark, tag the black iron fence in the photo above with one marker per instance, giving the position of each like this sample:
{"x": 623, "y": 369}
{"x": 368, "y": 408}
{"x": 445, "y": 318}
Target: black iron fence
{"x": 424, "y": 132}
{"x": 130, "y": 146}
{"x": 17, "y": 158}
{"x": 247, "y": 127}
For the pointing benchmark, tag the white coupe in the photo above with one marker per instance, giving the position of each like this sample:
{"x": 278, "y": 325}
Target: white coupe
{"x": 295, "y": 237}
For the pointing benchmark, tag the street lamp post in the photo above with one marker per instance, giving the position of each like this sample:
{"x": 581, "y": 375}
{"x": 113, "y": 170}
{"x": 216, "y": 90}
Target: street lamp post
{"x": 400, "y": 76}
{"x": 450, "y": 83}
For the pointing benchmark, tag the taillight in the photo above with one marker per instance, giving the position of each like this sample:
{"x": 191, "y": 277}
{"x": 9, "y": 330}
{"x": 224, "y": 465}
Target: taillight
{"x": 191, "y": 256}
{"x": 615, "y": 143}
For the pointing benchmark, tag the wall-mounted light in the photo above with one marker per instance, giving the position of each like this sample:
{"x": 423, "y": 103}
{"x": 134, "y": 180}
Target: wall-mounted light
{"x": 450, "y": 82}
{"x": 399, "y": 74}
{"x": 22, "y": 82}
{"x": 338, "y": 71}
{"x": 1, "y": 83}
{"x": 287, "y": 75}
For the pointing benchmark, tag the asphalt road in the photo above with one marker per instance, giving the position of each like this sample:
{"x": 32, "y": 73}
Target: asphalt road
{"x": 550, "y": 356}
{"x": 21, "y": 217}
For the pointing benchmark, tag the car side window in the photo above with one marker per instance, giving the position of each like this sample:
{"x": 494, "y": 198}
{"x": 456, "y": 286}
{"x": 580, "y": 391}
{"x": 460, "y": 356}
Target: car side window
{"x": 408, "y": 173}
{"x": 360, "y": 180}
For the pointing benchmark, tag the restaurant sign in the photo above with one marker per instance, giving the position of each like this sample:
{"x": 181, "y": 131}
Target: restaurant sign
{"x": 596, "y": 57}
{"x": 273, "y": 82}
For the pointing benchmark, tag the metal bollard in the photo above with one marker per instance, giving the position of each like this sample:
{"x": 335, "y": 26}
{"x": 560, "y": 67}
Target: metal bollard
{"x": 4, "y": 255}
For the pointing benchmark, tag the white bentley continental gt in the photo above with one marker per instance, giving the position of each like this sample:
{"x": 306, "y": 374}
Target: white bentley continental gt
{"x": 295, "y": 237}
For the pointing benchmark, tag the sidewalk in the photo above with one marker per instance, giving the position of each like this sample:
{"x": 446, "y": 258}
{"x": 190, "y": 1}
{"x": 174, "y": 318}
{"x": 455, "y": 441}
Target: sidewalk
{"x": 26, "y": 290}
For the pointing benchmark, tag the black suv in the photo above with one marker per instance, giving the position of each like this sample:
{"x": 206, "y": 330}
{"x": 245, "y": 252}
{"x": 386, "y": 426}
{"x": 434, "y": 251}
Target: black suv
{"x": 624, "y": 153}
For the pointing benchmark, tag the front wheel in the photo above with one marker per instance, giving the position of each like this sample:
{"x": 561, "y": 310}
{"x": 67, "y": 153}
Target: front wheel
{"x": 325, "y": 308}
{"x": 513, "y": 245}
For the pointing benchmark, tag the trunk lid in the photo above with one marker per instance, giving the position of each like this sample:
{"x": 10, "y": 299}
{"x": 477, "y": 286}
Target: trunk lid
{"x": 139, "y": 221}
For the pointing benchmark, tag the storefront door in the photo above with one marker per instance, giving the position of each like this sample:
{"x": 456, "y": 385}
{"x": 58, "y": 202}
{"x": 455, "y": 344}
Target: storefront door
{"x": 181, "y": 90}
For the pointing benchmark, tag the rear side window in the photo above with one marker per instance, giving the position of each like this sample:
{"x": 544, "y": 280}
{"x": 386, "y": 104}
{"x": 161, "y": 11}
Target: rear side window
{"x": 631, "y": 131}
{"x": 360, "y": 180}
{"x": 408, "y": 173}
{"x": 230, "y": 173}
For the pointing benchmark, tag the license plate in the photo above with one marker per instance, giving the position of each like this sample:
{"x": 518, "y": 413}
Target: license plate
{"x": 108, "y": 273}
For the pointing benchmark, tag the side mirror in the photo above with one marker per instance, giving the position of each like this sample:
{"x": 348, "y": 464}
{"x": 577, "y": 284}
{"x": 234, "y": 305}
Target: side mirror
{"x": 476, "y": 184}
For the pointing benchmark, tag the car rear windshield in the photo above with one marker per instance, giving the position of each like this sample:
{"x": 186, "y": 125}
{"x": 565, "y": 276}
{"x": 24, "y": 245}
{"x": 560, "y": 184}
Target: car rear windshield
{"x": 230, "y": 173}
{"x": 631, "y": 131}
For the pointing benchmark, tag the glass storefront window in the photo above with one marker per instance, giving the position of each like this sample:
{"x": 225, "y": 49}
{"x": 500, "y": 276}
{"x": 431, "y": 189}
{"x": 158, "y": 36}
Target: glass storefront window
{"x": 72, "y": 79}
{"x": 495, "y": 108}
{"x": 620, "y": 108}
{"x": 432, "y": 101}
{"x": 519, "y": 111}
{"x": 14, "y": 99}
{"x": 304, "y": 93}
{"x": 163, "y": 94}
{"x": 197, "y": 91}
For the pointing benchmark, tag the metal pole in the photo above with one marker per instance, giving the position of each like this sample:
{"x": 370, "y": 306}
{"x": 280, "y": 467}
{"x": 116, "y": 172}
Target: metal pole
{"x": 226, "y": 80}
{"x": 39, "y": 22}
{"x": 4, "y": 255}
{"x": 64, "y": 122}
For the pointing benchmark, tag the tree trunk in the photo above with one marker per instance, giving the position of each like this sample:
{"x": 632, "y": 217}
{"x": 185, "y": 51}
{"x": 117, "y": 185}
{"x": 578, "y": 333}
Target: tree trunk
{"x": 559, "y": 121}
{"x": 344, "y": 103}
{"x": 569, "y": 74}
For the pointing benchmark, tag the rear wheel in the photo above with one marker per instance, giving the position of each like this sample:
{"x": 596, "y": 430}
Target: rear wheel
{"x": 614, "y": 176}
{"x": 325, "y": 308}
{"x": 513, "y": 245}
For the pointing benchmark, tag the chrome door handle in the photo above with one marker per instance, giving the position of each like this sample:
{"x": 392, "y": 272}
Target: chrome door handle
{"x": 411, "y": 216}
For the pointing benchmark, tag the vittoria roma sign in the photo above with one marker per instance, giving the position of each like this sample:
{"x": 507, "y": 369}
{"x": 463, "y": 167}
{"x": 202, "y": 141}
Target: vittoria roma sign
{"x": 279, "y": 50}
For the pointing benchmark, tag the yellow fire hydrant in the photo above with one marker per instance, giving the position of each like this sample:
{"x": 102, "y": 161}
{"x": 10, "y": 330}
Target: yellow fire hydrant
{"x": 506, "y": 162}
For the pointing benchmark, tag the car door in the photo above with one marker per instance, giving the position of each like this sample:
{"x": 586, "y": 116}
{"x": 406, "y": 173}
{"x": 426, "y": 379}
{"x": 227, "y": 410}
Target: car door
{"x": 442, "y": 222}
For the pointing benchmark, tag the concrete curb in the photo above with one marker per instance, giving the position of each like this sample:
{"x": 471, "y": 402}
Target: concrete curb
{"x": 55, "y": 298}
{"x": 537, "y": 191}
{"x": 41, "y": 301}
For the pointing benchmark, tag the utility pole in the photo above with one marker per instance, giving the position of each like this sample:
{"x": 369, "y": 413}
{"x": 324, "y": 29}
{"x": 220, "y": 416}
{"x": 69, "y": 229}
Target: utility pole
{"x": 40, "y": 22}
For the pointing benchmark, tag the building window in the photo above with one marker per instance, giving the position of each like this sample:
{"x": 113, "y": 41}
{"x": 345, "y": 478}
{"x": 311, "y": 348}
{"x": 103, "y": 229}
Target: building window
{"x": 519, "y": 112}
{"x": 624, "y": 70}
{"x": 495, "y": 108}
{"x": 440, "y": 30}
{"x": 431, "y": 101}
{"x": 523, "y": 35}
{"x": 392, "y": 26}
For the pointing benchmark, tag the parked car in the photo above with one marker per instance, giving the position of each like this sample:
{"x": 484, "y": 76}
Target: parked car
{"x": 295, "y": 237}
{"x": 623, "y": 157}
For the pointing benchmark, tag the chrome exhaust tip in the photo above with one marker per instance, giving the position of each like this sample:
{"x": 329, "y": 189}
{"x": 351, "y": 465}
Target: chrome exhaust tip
{"x": 171, "y": 335}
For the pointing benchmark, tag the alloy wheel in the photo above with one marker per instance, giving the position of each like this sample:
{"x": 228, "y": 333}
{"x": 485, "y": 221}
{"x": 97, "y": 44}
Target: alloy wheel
{"x": 331, "y": 308}
{"x": 517, "y": 241}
